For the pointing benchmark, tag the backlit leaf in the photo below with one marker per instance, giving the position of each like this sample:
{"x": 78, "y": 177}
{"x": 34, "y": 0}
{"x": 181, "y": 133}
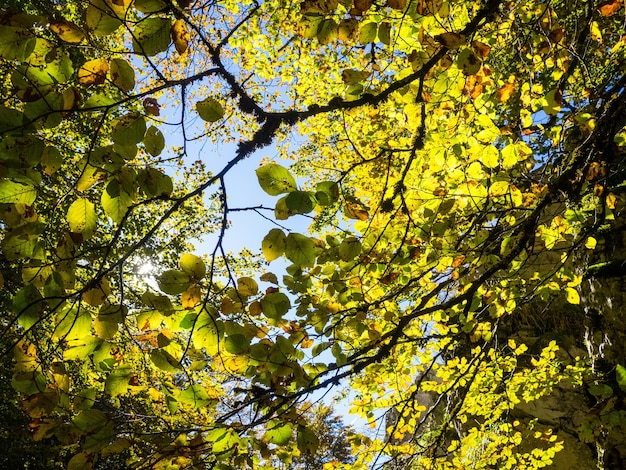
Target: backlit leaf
{"x": 275, "y": 179}
{"x": 82, "y": 217}
{"x": 151, "y": 36}
{"x": 192, "y": 265}
{"x": 210, "y": 110}
{"x": 300, "y": 250}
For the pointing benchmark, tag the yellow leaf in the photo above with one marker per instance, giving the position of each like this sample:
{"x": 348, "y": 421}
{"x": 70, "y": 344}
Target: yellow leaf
{"x": 572, "y": 296}
{"x": 93, "y": 72}
{"x": 610, "y": 201}
{"x": 67, "y": 31}
{"x": 595, "y": 31}
{"x": 191, "y": 297}
{"x": 591, "y": 243}
{"x": 180, "y": 36}
{"x": 98, "y": 295}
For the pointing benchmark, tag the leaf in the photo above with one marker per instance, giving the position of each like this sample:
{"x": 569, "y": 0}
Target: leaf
{"x": 275, "y": 179}
{"x": 207, "y": 333}
{"x": 327, "y": 31}
{"x": 194, "y": 395}
{"x": 275, "y": 305}
{"x": 191, "y": 297}
{"x": 300, "y": 250}
{"x": 82, "y": 217}
{"x": 451, "y": 40}
{"x": 16, "y": 43}
{"x": 246, "y": 286}
{"x": 154, "y": 141}
{"x": 117, "y": 382}
{"x": 307, "y": 440}
{"x": 104, "y": 16}
{"x": 173, "y": 282}
{"x": 180, "y": 36}
{"x": 67, "y": 31}
{"x": 122, "y": 74}
{"x": 93, "y": 72}
{"x": 620, "y": 374}
{"x": 154, "y": 183}
{"x": 468, "y": 62}
{"x": 397, "y": 4}
{"x": 610, "y": 7}
{"x": 572, "y": 295}
{"x": 192, "y": 265}
{"x": 128, "y": 129}
{"x": 16, "y": 192}
{"x": 504, "y": 93}
{"x": 236, "y": 344}
{"x": 151, "y": 36}
{"x": 349, "y": 249}
{"x": 28, "y": 305}
{"x": 300, "y": 202}
{"x": 210, "y": 110}
{"x": 278, "y": 435}
{"x": 116, "y": 206}
{"x": 367, "y": 33}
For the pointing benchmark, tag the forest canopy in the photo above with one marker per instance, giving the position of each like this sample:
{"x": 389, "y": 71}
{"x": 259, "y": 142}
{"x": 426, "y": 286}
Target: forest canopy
{"x": 455, "y": 171}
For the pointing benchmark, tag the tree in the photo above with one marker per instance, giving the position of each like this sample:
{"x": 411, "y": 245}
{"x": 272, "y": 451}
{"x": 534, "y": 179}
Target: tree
{"x": 462, "y": 165}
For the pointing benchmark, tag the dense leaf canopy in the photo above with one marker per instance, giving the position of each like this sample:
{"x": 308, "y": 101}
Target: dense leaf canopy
{"x": 459, "y": 166}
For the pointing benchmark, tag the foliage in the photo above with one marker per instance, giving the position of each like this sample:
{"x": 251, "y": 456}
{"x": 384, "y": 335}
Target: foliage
{"x": 462, "y": 163}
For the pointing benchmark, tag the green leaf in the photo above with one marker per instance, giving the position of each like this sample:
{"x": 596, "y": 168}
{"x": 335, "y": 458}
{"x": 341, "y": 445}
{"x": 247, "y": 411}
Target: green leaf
{"x": 192, "y": 265}
{"x": 210, "y": 110}
{"x": 101, "y": 18}
{"x": 327, "y": 31}
{"x": 117, "y": 382}
{"x": 349, "y": 249}
{"x": 14, "y": 192}
{"x": 82, "y": 218}
{"x": 278, "y": 435}
{"x": 154, "y": 141}
{"x": 300, "y": 250}
{"x": 367, "y": 32}
{"x": 164, "y": 360}
{"x": 273, "y": 244}
{"x": 307, "y": 440}
{"x": 174, "y": 282}
{"x": 154, "y": 183}
{"x": 115, "y": 202}
{"x": 16, "y": 43}
{"x": 207, "y": 333}
{"x": 275, "y": 179}
{"x": 194, "y": 395}
{"x": 327, "y": 193}
{"x": 275, "y": 305}
{"x": 152, "y": 36}
{"x": 281, "y": 211}
{"x": 384, "y": 33}
{"x": 122, "y": 74}
{"x": 246, "y": 286}
{"x": 150, "y": 6}
{"x": 236, "y": 344}
{"x": 620, "y": 373}
{"x": 301, "y": 202}
{"x": 28, "y": 305}
{"x": 129, "y": 129}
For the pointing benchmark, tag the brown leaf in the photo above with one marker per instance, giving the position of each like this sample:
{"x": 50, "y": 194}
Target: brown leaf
{"x": 396, "y": 4}
{"x": 505, "y": 92}
{"x": 481, "y": 49}
{"x": 151, "y": 106}
{"x": 451, "y": 40}
{"x": 610, "y": 7}
{"x": 362, "y": 6}
{"x": 389, "y": 278}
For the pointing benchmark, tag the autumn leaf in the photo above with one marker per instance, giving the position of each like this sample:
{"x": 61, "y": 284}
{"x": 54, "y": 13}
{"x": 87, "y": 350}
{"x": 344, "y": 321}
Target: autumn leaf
{"x": 451, "y": 40}
{"x": 180, "y": 36}
{"x": 93, "y": 72}
{"x": 610, "y": 7}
